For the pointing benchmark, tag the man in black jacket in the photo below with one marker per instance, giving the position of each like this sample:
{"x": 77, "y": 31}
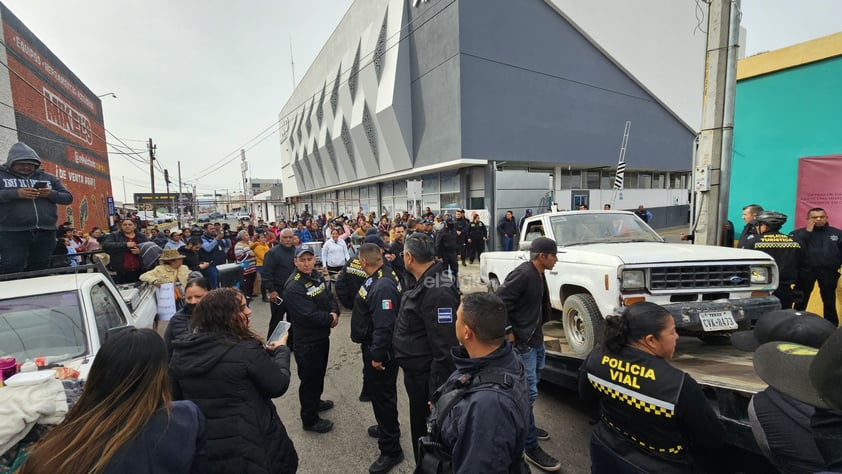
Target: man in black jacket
{"x": 822, "y": 246}
{"x": 508, "y": 231}
{"x": 278, "y": 265}
{"x": 424, "y": 331}
{"x": 396, "y": 249}
{"x": 461, "y": 225}
{"x": 447, "y": 246}
{"x": 313, "y": 313}
{"x": 749, "y": 232}
{"x": 372, "y": 326}
{"x": 527, "y": 300}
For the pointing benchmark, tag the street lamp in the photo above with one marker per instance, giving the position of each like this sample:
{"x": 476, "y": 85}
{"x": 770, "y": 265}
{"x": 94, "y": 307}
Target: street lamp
{"x": 107, "y": 94}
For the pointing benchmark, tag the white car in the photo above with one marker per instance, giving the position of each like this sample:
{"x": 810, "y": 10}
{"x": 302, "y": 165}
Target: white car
{"x": 65, "y": 318}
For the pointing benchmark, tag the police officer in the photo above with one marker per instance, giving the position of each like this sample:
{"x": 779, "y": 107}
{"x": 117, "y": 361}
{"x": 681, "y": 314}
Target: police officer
{"x": 424, "y": 331}
{"x": 477, "y": 236}
{"x": 348, "y": 284}
{"x": 485, "y": 430}
{"x": 372, "y": 325}
{"x": 822, "y": 246}
{"x": 461, "y": 225}
{"x": 278, "y": 265}
{"x": 653, "y": 417}
{"x": 313, "y": 313}
{"x": 527, "y": 299}
{"x": 447, "y": 247}
{"x": 786, "y": 252}
{"x": 749, "y": 232}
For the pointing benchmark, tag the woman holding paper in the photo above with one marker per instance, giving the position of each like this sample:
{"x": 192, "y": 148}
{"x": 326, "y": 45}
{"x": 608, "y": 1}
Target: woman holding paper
{"x": 227, "y": 370}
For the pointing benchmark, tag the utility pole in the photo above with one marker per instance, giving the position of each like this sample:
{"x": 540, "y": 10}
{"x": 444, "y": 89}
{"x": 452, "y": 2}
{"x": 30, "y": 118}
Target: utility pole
{"x": 167, "y": 181}
{"x": 244, "y": 166}
{"x": 712, "y": 166}
{"x": 180, "y": 205}
{"x": 152, "y": 148}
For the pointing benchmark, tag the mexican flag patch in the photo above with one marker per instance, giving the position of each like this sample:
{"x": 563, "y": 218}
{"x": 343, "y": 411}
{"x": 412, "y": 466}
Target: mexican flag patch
{"x": 387, "y": 304}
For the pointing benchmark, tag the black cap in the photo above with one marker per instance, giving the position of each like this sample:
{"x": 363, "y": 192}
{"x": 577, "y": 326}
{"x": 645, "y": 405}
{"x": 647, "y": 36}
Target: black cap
{"x": 304, "y": 249}
{"x": 543, "y": 245}
{"x": 787, "y": 325}
{"x": 375, "y": 239}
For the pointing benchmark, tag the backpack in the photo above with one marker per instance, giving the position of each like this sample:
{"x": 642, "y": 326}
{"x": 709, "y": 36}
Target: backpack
{"x": 433, "y": 456}
{"x": 149, "y": 254}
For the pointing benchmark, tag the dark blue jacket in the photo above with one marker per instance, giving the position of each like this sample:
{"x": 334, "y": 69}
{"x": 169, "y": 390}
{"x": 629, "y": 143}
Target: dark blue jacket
{"x": 507, "y": 227}
{"x": 375, "y": 312}
{"x": 213, "y": 250}
{"x": 485, "y": 431}
{"x": 165, "y": 445}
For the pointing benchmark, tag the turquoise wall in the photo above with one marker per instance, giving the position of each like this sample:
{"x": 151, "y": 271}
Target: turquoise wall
{"x": 779, "y": 118}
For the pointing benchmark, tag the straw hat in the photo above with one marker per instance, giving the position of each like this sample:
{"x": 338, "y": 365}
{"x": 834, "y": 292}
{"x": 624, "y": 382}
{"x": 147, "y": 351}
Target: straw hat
{"x": 170, "y": 254}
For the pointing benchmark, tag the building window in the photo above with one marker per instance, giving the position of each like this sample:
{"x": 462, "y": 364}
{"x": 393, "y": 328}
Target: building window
{"x": 430, "y": 183}
{"x": 450, "y": 201}
{"x": 592, "y": 179}
{"x": 644, "y": 181}
{"x": 450, "y": 182}
{"x": 386, "y": 189}
{"x": 400, "y": 188}
{"x": 571, "y": 180}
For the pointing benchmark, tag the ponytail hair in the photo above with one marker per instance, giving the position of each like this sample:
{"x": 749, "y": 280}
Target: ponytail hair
{"x": 637, "y": 321}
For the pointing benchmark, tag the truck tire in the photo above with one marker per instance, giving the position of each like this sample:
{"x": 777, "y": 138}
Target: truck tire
{"x": 493, "y": 284}
{"x": 583, "y": 324}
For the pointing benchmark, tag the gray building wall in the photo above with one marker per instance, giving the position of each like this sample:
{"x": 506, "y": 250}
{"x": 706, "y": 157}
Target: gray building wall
{"x": 534, "y": 89}
{"x": 434, "y": 69}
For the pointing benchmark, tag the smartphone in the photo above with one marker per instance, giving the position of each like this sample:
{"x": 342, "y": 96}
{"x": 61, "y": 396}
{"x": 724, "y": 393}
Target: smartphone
{"x": 279, "y": 331}
{"x": 40, "y": 185}
{"x": 278, "y": 301}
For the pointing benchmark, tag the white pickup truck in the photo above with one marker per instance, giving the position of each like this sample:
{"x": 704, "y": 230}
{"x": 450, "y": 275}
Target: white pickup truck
{"x": 611, "y": 259}
{"x": 64, "y": 318}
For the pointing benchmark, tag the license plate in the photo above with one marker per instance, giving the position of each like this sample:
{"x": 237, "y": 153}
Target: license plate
{"x": 717, "y": 320}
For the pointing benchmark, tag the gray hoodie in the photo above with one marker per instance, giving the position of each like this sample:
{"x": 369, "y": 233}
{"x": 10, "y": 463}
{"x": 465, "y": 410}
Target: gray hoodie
{"x": 18, "y": 214}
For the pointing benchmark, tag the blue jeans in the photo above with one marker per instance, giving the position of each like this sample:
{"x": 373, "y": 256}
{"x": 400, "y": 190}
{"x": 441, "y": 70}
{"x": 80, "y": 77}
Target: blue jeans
{"x": 508, "y": 243}
{"x": 533, "y": 361}
{"x": 26, "y": 250}
{"x": 212, "y": 274}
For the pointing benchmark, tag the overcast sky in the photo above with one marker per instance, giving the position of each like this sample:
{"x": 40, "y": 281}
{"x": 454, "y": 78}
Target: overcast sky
{"x": 204, "y": 78}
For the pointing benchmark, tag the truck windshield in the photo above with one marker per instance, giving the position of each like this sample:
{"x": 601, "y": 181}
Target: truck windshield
{"x": 48, "y": 325}
{"x": 600, "y": 227}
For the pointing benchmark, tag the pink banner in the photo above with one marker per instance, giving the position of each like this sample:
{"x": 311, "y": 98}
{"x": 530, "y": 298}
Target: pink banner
{"x": 818, "y": 186}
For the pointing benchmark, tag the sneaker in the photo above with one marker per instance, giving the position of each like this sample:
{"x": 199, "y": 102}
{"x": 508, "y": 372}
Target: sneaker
{"x": 364, "y": 397}
{"x": 542, "y": 460}
{"x": 384, "y": 463}
{"x": 374, "y": 431}
{"x": 325, "y": 405}
{"x": 542, "y": 434}
{"x": 322, "y": 426}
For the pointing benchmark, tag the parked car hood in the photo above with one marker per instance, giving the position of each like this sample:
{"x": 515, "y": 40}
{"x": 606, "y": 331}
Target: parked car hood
{"x": 631, "y": 253}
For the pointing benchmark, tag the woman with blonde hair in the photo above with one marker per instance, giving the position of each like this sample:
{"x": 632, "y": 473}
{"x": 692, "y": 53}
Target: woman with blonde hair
{"x": 125, "y": 421}
{"x": 228, "y": 371}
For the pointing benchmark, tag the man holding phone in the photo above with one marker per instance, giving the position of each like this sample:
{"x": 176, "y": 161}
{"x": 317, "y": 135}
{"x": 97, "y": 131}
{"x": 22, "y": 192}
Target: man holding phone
{"x": 29, "y": 197}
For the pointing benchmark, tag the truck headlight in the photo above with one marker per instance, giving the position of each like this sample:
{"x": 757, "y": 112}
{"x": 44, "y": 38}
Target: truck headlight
{"x": 759, "y": 275}
{"x": 634, "y": 280}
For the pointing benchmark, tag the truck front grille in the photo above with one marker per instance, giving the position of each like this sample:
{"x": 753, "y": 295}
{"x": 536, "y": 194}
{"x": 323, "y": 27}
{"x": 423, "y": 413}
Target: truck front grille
{"x": 699, "y": 277}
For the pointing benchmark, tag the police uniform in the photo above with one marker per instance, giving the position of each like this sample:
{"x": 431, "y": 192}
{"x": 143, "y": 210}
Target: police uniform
{"x": 372, "y": 325}
{"x": 652, "y": 415}
{"x": 477, "y": 232}
{"x": 424, "y": 335}
{"x": 309, "y": 304}
{"x": 822, "y": 258}
{"x": 349, "y": 281}
{"x": 787, "y": 254}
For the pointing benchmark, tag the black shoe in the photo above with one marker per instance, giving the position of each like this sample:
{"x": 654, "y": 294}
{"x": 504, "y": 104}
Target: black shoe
{"x": 320, "y": 426}
{"x": 364, "y": 397}
{"x": 542, "y": 460}
{"x": 385, "y": 463}
{"x": 464, "y": 264}
{"x": 325, "y": 405}
{"x": 374, "y": 431}
{"x": 542, "y": 434}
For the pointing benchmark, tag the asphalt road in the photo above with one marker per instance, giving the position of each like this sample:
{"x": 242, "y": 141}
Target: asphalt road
{"x": 348, "y": 448}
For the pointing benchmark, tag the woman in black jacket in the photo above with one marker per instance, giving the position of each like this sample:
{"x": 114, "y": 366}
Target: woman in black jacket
{"x": 653, "y": 417}
{"x": 123, "y": 248}
{"x": 194, "y": 291}
{"x": 225, "y": 369}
